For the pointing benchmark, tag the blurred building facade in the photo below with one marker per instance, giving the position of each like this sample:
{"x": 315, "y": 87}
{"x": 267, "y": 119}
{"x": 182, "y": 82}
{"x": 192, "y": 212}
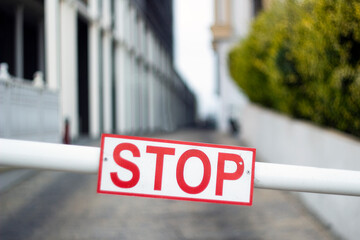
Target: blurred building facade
{"x": 232, "y": 20}
{"x": 108, "y": 65}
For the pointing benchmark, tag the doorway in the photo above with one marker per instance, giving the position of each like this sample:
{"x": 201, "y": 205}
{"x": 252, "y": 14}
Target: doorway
{"x": 83, "y": 76}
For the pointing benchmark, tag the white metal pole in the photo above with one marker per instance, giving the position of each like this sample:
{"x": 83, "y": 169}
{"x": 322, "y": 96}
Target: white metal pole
{"x": 49, "y": 156}
{"x": 307, "y": 179}
{"x": 59, "y": 157}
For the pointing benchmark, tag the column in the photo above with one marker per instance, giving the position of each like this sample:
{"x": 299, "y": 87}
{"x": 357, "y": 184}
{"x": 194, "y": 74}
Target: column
{"x": 129, "y": 93}
{"x": 151, "y": 81}
{"x": 134, "y": 71}
{"x": 69, "y": 86}
{"x": 145, "y": 79}
{"x": 52, "y": 44}
{"x": 158, "y": 89}
{"x": 127, "y": 66}
{"x": 119, "y": 68}
{"x": 41, "y": 60}
{"x": 120, "y": 89}
{"x": 151, "y": 100}
{"x": 107, "y": 83}
{"x": 94, "y": 72}
{"x": 165, "y": 113}
{"x": 19, "y": 41}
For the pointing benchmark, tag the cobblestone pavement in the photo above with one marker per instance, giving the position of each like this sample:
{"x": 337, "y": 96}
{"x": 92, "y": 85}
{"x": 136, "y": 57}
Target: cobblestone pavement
{"x": 57, "y": 205}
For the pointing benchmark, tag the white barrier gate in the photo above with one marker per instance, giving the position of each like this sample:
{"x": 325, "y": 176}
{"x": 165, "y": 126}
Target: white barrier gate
{"x": 81, "y": 159}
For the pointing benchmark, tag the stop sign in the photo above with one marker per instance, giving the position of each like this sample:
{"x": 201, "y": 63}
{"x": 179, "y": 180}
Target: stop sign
{"x": 176, "y": 170}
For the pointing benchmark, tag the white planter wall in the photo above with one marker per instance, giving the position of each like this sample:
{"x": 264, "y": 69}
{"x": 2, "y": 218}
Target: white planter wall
{"x": 280, "y": 139}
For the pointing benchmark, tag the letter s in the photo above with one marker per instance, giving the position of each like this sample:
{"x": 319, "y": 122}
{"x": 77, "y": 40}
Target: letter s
{"x": 127, "y": 165}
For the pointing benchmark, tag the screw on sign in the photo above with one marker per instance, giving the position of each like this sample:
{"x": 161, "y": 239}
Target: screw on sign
{"x": 176, "y": 170}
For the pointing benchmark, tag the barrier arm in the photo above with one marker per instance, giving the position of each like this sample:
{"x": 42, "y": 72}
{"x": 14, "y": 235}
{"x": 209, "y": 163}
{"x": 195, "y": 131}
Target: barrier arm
{"x": 81, "y": 159}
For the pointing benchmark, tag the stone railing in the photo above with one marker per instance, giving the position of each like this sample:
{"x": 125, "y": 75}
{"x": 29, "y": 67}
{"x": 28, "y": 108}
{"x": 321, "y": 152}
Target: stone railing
{"x": 28, "y": 110}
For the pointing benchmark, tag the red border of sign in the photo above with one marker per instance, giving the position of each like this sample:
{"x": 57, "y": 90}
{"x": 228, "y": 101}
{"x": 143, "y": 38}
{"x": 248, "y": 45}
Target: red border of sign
{"x": 183, "y": 143}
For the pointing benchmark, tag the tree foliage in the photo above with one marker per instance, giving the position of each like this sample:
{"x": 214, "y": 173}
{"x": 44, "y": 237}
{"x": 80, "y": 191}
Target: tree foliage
{"x": 303, "y": 58}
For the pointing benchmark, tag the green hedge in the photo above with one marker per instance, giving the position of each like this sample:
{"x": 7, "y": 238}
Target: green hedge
{"x": 303, "y": 58}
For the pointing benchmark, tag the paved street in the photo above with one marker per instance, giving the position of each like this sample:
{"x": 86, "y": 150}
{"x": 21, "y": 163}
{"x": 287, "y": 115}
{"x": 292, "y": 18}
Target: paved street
{"x": 57, "y": 205}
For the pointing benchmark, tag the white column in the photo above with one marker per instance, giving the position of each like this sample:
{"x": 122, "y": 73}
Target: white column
{"x": 107, "y": 83}
{"x": 120, "y": 15}
{"x": 120, "y": 68}
{"x": 120, "y": 89}
{"x": 180, "y": 112}
{"x": 163, "y": 106}
{"x": 134, "y": 73}
{"x": 171, "y": 108}
{"x": 94, "y": 72}
{"x": 129, "y": 93}
{"x": 157, "y": 102}
{"x": 135, "y": 92}
{"x": 155, "y": 84}
{"x": 19, "y": 41}
{"x": 124, "y": 35}
{"x": 151, "y": 82}
{"x": 107, "y": 91}
{"x": 166, "y": 106}
{"x": 52, "y": 44}
{"x": 139, "y": 89}
{"x": 145, "y": 78}
{"x": 151, "y": 102}
{"x": 145, "y": 93}
{"x": 158, "y": 89}
{"x": 164, "y": 115}
{"x": 69, "y": 86}
{"x": 139, "y": 73}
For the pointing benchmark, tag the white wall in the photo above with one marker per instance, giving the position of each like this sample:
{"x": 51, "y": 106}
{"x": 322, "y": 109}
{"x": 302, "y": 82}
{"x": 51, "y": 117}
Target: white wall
{"x": 231, "y": 98}
{"x": 280, "y": 139}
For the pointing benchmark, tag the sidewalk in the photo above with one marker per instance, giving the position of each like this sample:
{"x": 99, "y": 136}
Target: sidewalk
{"x": 66, "y": 206}
{"x": 10, "y": 177}
{"x": 274, "y": 214}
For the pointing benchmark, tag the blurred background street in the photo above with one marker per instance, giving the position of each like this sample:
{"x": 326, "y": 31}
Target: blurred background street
{"x": 57, "y": 205}
{"x": 281, "y": 76}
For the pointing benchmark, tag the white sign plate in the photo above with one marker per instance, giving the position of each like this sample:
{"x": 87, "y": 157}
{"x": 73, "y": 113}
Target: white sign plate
{"x": 169, "y": 169}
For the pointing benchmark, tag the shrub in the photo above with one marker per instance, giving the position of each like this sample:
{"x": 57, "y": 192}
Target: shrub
{"x": 303, "y": 58}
